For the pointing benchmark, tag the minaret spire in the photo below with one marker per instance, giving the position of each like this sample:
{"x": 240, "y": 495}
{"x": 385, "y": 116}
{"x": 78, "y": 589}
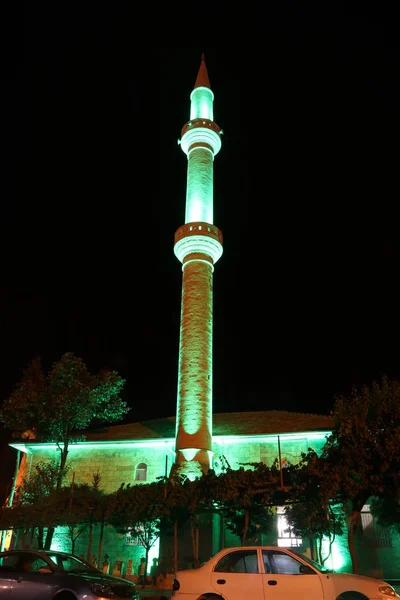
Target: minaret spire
{"x": 198, "y": 245}
{"x": 202, "y": 76}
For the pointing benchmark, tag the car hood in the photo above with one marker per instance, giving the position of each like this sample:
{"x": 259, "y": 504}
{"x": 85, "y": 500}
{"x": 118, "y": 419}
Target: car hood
{"x": 369, "y": 586}
{"x": 115, "y": 583}
{"x": 361, "y": 578}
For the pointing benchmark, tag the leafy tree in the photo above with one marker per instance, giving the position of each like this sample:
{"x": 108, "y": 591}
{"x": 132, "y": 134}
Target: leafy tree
{"x": 310, "y": 512}
{"x": 387, "y": 511}
{"x": 361, "y": 458}
{"x": 74, "y": 532}
{"x": 175, "y": 496}
{"x": 139, "y": 511}
{"x": 245, "y": 496}
{"x": 60, "y": 405}
{"x": 33, "y": 498}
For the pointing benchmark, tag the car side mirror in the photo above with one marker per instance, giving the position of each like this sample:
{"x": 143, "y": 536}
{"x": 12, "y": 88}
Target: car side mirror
{"x": 306, "y": 570}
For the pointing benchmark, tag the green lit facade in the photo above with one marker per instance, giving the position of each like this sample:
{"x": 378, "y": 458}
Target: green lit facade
{"x": 198, "y": 438}
{"x": 142, "y": 452}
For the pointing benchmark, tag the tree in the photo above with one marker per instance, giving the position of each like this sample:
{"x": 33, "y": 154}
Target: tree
{"x": 60, "y": 405}
{"x": 387, "y": 511}
{"x": 139, "y": 511}
{"x": 361, "y": 458}
{"x": 33, "y": 509}
{"x": 245, "y": 497}
{"x": 309, "y": 510}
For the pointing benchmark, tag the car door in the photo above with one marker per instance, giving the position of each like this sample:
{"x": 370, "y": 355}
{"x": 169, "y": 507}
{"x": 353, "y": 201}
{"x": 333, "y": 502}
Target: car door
{"x": 7, "y": 568}
{"x": 286, "y": 578}
{"x": 237, "y": 574}
{"x": 28, "y": 582}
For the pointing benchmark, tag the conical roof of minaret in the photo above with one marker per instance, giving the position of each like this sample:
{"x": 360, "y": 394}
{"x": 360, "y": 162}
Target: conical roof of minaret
{"x": 202, "y": 76}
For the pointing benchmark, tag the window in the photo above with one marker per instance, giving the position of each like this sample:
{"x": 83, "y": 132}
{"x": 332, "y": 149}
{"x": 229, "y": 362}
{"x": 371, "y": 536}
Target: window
{"x": 285, "y": 535}
{"x": 374, "y": 535}
{"x": 281, "y": 563}
{"x": 244, "y": 561}
{"x": 141, "y": 472}
{"x": 131, "y": 540}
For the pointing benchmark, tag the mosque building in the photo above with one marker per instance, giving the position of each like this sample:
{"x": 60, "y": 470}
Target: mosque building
{"x": 197, "y": 439}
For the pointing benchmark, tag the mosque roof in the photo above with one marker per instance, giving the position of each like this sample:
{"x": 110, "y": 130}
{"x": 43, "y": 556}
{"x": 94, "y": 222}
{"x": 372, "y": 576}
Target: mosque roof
{"x": 268, "y": 422}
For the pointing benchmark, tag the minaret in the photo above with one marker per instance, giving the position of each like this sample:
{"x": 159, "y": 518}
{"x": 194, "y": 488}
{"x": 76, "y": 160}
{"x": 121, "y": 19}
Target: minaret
{"x": 198, "y": 245}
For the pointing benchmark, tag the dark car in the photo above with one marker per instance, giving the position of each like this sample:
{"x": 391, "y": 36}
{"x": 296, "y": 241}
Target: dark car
{"x": 50, "y": 575}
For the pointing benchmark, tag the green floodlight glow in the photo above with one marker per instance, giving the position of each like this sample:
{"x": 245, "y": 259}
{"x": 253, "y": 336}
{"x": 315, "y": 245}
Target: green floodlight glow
{"x": 60, "y": 541}
{"x": 170, "y": 442}
{"x": 201, "y": 105}
{"x": 103, "y": 444}
{"x": 193, "y": 418}
{"x": 189, "y": 453}
{"x": 337, "y": 559}
{"x": 246, "y": 439}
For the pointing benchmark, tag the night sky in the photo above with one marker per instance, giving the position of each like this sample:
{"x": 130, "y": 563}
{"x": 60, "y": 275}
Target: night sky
{"x": 306, "y": 194}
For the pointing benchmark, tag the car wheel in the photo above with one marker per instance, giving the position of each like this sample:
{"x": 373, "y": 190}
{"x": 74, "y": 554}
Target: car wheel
{"x": 351, "y": 596}
{"x": 213, "y": 597}
{"x": 65, "y": 596}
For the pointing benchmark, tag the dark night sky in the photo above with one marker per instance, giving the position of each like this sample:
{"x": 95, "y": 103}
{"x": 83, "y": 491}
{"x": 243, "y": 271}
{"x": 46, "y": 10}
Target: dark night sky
{"x": 306, "y": 191}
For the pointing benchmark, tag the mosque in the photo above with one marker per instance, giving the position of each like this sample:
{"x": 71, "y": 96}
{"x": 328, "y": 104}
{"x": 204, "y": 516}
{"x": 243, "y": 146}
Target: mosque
{"x": 196, "y": 439}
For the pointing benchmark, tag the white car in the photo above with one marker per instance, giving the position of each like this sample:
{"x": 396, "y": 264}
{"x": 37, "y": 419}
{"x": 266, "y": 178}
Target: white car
{"x": 273, "y": 573}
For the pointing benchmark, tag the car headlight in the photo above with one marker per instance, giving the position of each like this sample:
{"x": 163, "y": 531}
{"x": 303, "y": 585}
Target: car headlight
{"x": 387, "y": 590}
{"x": 102, "y": 590}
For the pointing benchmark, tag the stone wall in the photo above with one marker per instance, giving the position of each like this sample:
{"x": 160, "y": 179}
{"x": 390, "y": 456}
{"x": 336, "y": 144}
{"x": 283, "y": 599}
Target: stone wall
{"x": 115, "y": 465}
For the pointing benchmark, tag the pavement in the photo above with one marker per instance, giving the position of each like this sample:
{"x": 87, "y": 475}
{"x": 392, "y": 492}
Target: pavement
{"x": 154, "y": 593}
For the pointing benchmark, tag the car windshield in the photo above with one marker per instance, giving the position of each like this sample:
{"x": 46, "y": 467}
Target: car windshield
{"x": 71, "y": 564}
{"x": 312, "y": 562}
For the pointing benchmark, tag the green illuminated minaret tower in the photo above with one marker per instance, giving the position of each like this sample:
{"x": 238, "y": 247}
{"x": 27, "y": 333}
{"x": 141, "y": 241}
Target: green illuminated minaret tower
{"x": 198, "y": 245}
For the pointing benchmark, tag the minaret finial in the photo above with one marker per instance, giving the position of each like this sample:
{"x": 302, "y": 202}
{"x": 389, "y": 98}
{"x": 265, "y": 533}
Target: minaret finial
{"x": 202, "y": 76}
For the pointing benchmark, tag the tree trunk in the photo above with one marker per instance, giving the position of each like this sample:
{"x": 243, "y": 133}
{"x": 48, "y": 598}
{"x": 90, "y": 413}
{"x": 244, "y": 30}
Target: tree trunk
{"x": 40, "y": 537}
{"x": 63, "y": 462}
{"x": 246, "y": 526}
{"x": 100, "y": 542}
{"x": 351, "y": 526}
{"x": 319, "y": 549}
{"x": 196, "y": 558}
{"x": 192, "y": 537}
{"x": 332, "y": 537}
{"x": 32, "y": 536}
{"x": 89, "y": 548}
{"x": 311, "y": 538}
{"x": 175, "y": 546}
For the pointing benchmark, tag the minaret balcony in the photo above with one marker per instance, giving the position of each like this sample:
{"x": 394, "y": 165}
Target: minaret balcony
{"x": 198, "y": 238}
{"x": 201, "y": 132}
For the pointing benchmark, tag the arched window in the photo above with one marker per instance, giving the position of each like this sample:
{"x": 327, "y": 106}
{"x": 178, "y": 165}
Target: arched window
{"x": 141, "y": 472}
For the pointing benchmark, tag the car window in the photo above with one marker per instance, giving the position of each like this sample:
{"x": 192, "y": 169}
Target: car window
{"x": 243, "y": 561}
{"x": 30, "y": 563}
{"x": 9, "y": 563}
{"x": 70, "y": 563}
{"x": 281, "y": 563}
{"x": 313, "y": 563}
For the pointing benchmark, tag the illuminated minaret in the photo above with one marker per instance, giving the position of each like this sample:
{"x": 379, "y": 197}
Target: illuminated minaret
{"x": 198, "y": 245}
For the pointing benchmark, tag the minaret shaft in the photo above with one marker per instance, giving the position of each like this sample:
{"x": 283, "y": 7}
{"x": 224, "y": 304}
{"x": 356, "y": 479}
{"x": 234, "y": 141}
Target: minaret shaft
{"x": 194, "y": 409}
{"x": 199, "y": 190}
